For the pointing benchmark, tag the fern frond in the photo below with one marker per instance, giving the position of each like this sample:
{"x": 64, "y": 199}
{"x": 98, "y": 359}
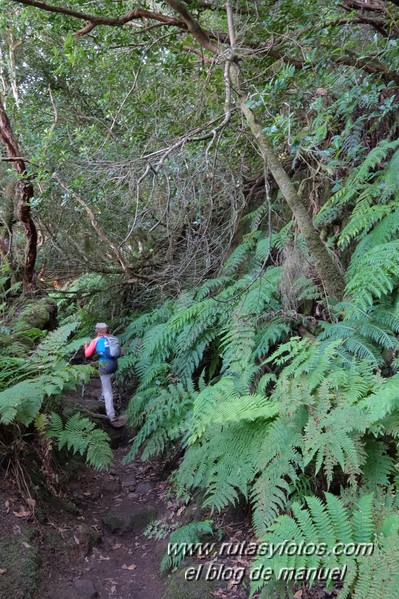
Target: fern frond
{"x": 79, "y": 435}
{"x": 50, "y": 349}
{"x": 185, "y": 541}
{"x": 277, "y": 461}
{"x": 327, "y": 524}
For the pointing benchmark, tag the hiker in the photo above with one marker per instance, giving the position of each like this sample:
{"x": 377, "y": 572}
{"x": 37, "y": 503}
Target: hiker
{"x": 108, "y": 364}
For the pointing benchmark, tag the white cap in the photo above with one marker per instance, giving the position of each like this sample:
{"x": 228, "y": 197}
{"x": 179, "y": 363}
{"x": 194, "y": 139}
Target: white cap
{"x": 101, "y": 325}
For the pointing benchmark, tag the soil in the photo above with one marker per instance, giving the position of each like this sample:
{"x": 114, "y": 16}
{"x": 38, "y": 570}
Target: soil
{"x": 120, "y": 564}
{"x": 90, "y": 541}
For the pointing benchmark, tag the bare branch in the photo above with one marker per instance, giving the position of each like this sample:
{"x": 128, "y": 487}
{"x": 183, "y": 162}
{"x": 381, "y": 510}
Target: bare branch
{"x": 374, "y": 5}
{"x": 94, "y": 20}
{"x": 96, "y": 226}
{"x": 193, "y": 26}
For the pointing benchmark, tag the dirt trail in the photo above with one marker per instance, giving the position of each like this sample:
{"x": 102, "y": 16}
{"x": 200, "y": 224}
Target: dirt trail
{"x": 90, "y": 543}
{"x": 101, "y": 548}
{"x": 104, "y": 549}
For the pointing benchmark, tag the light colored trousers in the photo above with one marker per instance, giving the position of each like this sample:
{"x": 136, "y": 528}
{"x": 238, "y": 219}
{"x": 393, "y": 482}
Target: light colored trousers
{"x": 106, "y": 385}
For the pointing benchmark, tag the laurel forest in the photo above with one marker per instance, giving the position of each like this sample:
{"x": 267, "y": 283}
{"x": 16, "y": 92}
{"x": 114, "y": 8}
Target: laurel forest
{"x": 219, "y": 181}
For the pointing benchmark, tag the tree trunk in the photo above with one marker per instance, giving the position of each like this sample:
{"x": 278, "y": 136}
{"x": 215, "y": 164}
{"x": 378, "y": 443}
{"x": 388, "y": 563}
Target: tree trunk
{"x": 26, "y": 194}
{"x": 329, "y": 272}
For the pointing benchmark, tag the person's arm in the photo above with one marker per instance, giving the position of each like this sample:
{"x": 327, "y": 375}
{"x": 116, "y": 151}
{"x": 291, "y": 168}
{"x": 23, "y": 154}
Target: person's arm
{"x": 90, "y": 348}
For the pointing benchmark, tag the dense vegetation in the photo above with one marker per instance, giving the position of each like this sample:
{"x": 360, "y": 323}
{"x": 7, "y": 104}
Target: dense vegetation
{"x": 220, "y": 181}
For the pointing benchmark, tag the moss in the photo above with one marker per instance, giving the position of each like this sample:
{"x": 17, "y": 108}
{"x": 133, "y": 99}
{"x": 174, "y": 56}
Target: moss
{"x": 20, "y": 559}
{"x": 5, "y": 340}
{"x": 38, "y": 315}
{"x": 27, "y": 326}
{"x": 59, "y": 504}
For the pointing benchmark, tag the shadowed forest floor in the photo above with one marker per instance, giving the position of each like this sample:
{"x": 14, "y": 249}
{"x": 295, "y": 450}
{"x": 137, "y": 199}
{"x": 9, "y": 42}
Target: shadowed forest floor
{"x": 89, "y": 542}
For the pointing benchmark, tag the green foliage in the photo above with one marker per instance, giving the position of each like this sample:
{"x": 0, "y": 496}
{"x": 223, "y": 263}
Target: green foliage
{"x": 352, "y": 540}
{"x": 267, "y": 416}
{"x": 364, "y": 187}
{"x": 33, "y": 385}
{"x": 45, "y": 374}
{"x": 160, "y": 529}
{"x": 165, "y": 417}
{"x": 374, "y": 275}
{"x": 257, "y": 423}
{"x": 268, "y": 403}
{"x": 186, "y": 539}
{"x": 365, "y": 332}
{"x": 79, "y": 435}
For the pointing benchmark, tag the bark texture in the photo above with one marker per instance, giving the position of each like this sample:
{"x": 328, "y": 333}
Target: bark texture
{"x": 329, "y": 271}
{"x": 25, "y": 193}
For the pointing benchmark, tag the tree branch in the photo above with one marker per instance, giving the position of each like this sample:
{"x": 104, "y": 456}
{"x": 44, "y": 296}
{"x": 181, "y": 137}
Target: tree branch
{"x": 193, "y": 26}
{"x": 375, "y": 6}
{"x": 94, "y": 20}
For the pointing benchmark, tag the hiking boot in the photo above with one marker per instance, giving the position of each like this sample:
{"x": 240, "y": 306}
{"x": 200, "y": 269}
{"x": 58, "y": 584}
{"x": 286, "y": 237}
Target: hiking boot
{"x": 118, "y": 422}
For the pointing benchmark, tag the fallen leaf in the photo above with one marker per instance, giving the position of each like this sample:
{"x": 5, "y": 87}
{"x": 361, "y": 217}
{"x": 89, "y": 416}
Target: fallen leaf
{"x": 3, "y": 571}
{"x": 22, "y": 513}
{"x": 321, "y": 91}
{"x": 103, "y": 558}
{"x": 298, "y": 595}
{"x": 131, "y": 567}
{"x": 76, "y": 540}
{"x": 25, "y": 544}
{"x": 7, "y": 504}
{"x": 180, "y": 510}
{"x": 117, "y": 546}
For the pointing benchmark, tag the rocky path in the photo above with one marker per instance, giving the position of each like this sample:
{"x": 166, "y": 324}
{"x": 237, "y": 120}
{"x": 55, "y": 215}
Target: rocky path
{"x": 91, "y": 541}
{"x": 103, "y": 551}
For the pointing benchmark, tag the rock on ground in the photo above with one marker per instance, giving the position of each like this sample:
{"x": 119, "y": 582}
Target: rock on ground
{"x": 127, "y": 518}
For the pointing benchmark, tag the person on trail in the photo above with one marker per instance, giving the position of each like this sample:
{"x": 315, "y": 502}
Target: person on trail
{"x": 108, "y": 364}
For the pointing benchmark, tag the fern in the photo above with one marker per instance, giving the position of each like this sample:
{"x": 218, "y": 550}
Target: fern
{"x": 80, "y": 435}
{"x": 166, "y": 414}
{"x": 328, "y": 524}
{"x": 278, "y": 462}
{"x": 53, "y": 345}
{"x": 256, "y": 419}
{"x": 183, "y": 542}
{"x": 222, "y": 462}
{"x": 238, "y": 256}
{"x": 373, "y": 275}
{"x": 48, "y": 374}
{"x": 364, "y": 332}
{"x": 360, "y": 177}
{"x": 22, "y": 401}
{"x": 222, "y": 403}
